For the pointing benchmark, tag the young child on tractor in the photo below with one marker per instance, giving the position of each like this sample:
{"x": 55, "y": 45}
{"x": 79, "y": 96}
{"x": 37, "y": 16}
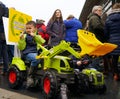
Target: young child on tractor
{"x": 28, "y": 45}
{"x": 80, "y": 64}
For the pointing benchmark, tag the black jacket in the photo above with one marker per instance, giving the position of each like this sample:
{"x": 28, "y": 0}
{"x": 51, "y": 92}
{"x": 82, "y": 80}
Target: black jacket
{"x": 112, "y": 29}
{"x": 3, "y": 13}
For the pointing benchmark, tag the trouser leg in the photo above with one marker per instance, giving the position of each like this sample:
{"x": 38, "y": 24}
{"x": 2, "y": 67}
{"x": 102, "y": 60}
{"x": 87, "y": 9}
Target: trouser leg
{"x": 115, "y": 63}
{"x": 5, "y": 57}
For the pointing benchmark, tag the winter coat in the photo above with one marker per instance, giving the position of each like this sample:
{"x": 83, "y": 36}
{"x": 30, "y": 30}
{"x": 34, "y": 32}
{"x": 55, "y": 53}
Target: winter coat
{"x": 96, "y": 26}
{"x": 3, "y": 13}
{"x": 112, "y": 29}
{"x": 42, "y": 31}
{"x": 72, "y": 26}
{"x": 29, "y": 44}
{"x": 56, "y": 30}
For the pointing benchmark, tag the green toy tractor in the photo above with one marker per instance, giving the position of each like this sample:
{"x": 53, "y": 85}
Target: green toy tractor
{"x": 59, "y": 64}
{"x": 57, "y": 73}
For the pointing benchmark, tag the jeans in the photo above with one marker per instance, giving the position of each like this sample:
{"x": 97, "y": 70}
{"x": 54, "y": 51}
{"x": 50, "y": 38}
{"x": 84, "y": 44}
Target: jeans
{"x": 32, "y": 58}
{"x": 4, "y": 54}
{"x": 10, "y": 52}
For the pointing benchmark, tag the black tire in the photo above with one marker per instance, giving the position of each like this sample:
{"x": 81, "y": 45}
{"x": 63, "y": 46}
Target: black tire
{"x": 49, "y": 85}
{"x": 81, "y": 82}
{"x": 15, "y": 77}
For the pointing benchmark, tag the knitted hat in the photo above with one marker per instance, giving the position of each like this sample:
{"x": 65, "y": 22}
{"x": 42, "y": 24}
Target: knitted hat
{"x": 39, "y": 21}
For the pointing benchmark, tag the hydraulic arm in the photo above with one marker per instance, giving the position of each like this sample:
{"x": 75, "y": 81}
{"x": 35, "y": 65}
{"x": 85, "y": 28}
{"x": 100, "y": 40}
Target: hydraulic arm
{"x": 63, "y": 46}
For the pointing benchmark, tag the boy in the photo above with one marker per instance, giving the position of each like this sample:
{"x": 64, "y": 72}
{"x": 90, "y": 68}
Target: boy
{"x": 28, "y": 45}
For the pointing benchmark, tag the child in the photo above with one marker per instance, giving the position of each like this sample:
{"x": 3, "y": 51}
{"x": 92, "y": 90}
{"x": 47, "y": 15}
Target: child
{"x": 42, "y": 30}
{"x": 28, "y": 45}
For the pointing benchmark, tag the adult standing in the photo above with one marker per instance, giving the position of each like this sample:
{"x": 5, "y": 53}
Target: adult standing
{"x": 3, "y": 13}
{"x": 112, "y": 33}
{"x": 72, "y": 24}
{"x": 56, "y": 28}
{"x": 96, "y": 26}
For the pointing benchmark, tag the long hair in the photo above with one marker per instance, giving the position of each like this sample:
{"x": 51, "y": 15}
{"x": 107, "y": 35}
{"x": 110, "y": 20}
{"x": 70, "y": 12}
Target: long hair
{"x": 54, "y": 18}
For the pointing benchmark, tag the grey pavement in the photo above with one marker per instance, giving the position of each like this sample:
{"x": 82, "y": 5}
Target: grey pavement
{"x": 6, "y": 94}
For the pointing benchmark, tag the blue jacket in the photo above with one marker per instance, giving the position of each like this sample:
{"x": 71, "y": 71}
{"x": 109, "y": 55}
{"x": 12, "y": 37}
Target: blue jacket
{"x": 112, "y": 30}
{"x": 72, "y": 26}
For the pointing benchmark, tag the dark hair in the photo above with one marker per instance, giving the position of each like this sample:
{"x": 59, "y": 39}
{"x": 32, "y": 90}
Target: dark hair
{"x": 116, "y": 6}
{"x": 31, "y": 23}
{"x": 54, "y": 18}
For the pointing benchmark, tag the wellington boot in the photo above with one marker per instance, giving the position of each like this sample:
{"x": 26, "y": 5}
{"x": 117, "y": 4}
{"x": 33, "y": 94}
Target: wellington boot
{"x": 30, "y": 82}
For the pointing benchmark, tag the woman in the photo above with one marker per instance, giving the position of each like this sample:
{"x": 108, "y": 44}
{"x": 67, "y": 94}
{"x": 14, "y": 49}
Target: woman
{"x": 56, "y": 28}
{"x": 112, "y": 33}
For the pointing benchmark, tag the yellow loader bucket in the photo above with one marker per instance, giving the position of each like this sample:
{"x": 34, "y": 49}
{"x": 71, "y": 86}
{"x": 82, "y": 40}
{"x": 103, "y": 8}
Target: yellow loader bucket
{"x": 91, "y": 45}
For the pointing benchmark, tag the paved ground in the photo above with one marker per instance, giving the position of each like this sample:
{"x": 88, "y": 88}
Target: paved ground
{"x": 5, "y": 94}
{"x": 113, "y": 91}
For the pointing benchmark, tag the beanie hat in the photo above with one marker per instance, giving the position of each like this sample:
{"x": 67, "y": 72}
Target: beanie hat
{"x": 39, "y": 21}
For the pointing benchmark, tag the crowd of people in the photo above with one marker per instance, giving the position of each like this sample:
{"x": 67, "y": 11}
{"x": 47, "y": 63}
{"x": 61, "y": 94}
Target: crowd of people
{"x": 58, "y": 29}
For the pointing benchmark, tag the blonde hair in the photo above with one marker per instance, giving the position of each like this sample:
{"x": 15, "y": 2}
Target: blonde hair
{"x": 95, "y": 8}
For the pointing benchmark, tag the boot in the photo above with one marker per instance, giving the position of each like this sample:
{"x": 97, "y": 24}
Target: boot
{"x": 30, "y": 81}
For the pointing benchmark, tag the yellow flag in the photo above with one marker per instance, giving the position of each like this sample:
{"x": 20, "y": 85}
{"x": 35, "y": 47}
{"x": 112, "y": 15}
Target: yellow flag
{"x": 17, "y": 21}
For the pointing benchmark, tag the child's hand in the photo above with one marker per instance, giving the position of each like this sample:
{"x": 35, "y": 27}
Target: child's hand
{"x": 32, "y": 34}
{"x": 79, "y": 63}
{"x": 22, "y": 35}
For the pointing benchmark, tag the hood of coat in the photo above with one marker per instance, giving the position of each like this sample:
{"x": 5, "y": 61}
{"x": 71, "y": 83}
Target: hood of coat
{"x": 114, "y": 15}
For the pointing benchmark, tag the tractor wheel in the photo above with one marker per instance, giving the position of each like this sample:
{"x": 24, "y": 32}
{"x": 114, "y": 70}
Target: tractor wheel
{"x": 15, "y": 77}
{"x": 82, "y": 82}
{"x": 49, "y": 85}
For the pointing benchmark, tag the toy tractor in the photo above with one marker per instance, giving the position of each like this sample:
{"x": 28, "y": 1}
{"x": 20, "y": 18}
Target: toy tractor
{"x": 57, "y": 74}
{"x": 61, "y": 70}
{"x": 56, "y": 71}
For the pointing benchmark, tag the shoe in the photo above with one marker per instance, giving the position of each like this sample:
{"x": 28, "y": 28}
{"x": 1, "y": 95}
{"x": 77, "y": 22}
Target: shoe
{"x": 30, "y": 82}
{"x": 116, "y": 77}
